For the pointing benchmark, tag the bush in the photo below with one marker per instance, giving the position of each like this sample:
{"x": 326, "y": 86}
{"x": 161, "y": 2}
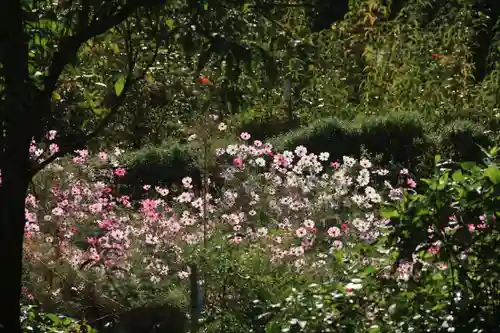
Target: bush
{"x": 162, "y": 165}
{"x": 462, "y": 140}
{"x": 452, "y": 221}
{"x": 399, "y": 138}
{"x": 264, "y": 125}
{"x": 330, "y": 135}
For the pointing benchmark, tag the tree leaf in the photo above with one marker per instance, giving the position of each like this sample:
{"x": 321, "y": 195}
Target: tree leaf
{"x": 458, "y": 176}
{"x": 388, "y": 212}
{"x": 119, "y": 85}
{"x": 170, "y": 23}
{"x": 55, "y": 319}
{"x": 55, "y": 96}
{"x": 493, "y": 174}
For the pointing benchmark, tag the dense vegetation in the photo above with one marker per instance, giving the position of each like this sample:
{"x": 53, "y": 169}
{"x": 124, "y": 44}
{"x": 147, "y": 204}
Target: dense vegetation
{"x": 262, "y": 166}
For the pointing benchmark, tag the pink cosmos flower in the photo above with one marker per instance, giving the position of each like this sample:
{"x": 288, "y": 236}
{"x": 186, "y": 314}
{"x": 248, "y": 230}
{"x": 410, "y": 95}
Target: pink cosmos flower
{"x": 52, "y": 135}
{"x": 301, "y": 232}
{"x": 120, "y": 172}
{"x": 337, "y": 245}
{"x": 411, "y": 183}
{"x": 54, "y": 148}
{"x": 335, "y": 164}
{"x": 245, "y": 136}
{"x": 434, "y": 250}
{"x": 103, "y": 156}
{"x": 238, "y": 162}
{"x": 333, "y": 232}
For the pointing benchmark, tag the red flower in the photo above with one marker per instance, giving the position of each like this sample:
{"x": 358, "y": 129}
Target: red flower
{"x": 205, "y": 81}
{"x": 436, "y": 55}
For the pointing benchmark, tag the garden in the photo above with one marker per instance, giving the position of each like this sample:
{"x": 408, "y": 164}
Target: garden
{"x": 250, "y": 166}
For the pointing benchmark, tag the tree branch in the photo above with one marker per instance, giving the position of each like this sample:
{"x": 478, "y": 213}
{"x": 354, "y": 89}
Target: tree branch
{"x": 70, "y": 45}
{"x": 79, "y": 142}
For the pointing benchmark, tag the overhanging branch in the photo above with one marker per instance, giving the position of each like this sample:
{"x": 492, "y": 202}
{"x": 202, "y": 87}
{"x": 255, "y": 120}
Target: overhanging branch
{"x": 70, "y": 45}
{"x": 69, "y": 147}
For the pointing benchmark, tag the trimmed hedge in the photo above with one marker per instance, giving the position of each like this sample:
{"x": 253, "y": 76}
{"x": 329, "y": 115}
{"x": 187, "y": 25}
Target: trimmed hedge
{"x": 399, "y": 138}
{"x": 158, "y": 165}
{"x": 461, "y": 140}
{"x": 331, "y": 135}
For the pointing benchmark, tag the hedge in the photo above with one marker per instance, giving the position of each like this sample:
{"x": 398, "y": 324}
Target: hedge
{"x": 461, "y": 140}
{"x": 398, "y": 138}
{"x": 158, "y": 165}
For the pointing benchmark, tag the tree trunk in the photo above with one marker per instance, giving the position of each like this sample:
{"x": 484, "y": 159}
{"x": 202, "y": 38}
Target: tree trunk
{"x": 15, "y": 181}
{"x": 17, "y": 116}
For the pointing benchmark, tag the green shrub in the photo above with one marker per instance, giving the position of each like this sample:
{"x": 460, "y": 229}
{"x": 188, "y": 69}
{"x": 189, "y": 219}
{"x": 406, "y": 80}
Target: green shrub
{"x": 399, "y": 138}
{"x": 454, "y": 213}
{"x": 264, "y": 125}
{"x": 462, "y": 139}
{"x": 329, "y": 135}
{"x": 161, "y": 165}
{"x": 402, "y": 138}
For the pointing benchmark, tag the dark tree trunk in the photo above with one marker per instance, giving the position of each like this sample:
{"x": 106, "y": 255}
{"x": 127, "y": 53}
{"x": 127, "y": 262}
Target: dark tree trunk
{"x": 16, "y": 125}
{"x": 15, "y": 180}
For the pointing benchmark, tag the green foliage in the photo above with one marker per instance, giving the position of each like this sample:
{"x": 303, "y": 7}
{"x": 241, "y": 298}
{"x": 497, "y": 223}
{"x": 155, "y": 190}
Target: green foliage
{"x": 457, "y": 208}
{"x": 397, "y": 138}
{"x": 317, "y": 308}
{"x": 237, "y": 294}
{"x": 401, "y": 138}
{"x": 462, "y": 140}
{"x": 39, "y": 322}
{"x": 331, "y": 135}
{"x": 160, "y": 165}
